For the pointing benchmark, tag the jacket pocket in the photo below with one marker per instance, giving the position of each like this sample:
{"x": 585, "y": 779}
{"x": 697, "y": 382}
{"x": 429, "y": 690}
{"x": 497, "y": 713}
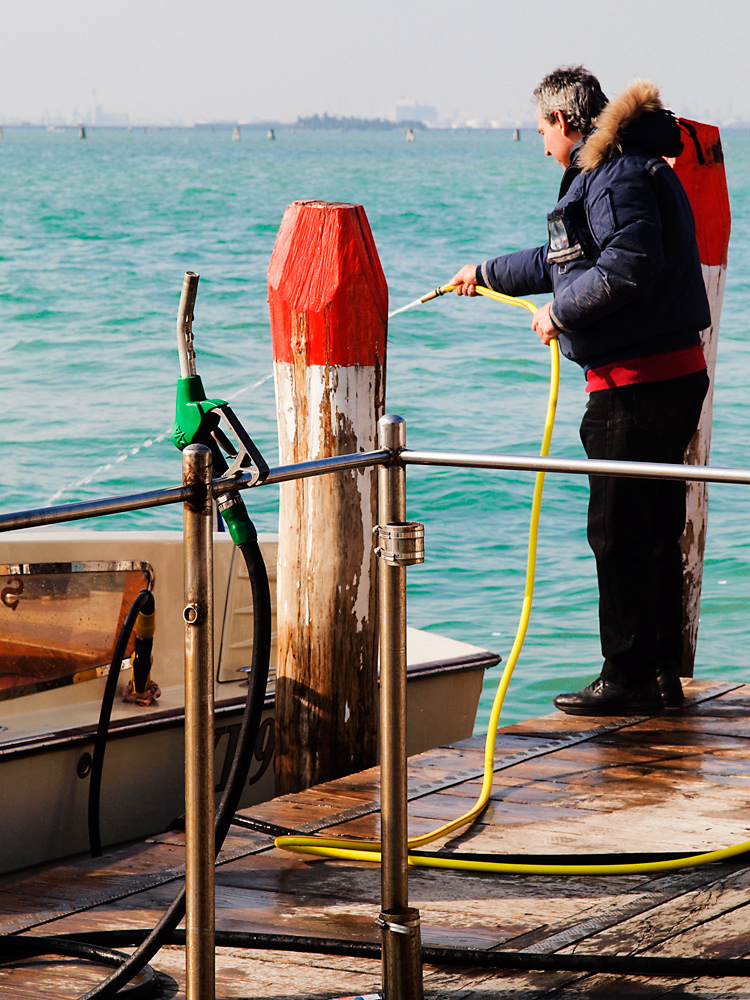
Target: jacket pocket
{"x": 563, "y": 243}
{"x": 601, "y": 218}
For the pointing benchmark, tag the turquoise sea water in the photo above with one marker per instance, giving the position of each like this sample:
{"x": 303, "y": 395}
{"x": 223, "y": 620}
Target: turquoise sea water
{"x": 95, "y": 236}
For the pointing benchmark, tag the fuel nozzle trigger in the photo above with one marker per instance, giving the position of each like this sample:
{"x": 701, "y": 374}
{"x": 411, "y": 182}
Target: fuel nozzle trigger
{"x": 213, "y": 423}
{"x": 198, "y": 421}
{"x": 244, "y": 455}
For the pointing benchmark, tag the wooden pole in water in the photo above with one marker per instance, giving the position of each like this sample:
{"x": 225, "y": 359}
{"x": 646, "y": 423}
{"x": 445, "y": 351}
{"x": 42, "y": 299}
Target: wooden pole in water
{"x": 329, "y": 304}
{"x": 701, "y": 170}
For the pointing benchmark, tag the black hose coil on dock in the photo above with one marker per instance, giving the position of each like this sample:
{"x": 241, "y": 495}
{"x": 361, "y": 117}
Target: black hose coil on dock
{"x": 14, "y": 946}
{"x": 482, "y": 958}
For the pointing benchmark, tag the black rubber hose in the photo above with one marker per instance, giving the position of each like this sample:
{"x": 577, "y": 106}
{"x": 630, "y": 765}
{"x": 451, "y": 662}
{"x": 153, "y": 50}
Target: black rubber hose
{"x": 144, "y": 601}
{"x": 626, "y": 965}
{"x": 625, "y": 858}
{"x": 256, "y": 695}
{"x": 15, "y": 947}
{"x": 238, "y": 774}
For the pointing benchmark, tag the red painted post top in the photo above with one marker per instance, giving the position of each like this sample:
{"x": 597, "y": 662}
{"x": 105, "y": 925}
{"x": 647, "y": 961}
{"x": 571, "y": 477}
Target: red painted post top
{"x": 700, "y": 167}
{"x": 326, "y": 289}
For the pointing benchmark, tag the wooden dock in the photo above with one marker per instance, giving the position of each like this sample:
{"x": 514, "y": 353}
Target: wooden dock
{"x": 679, "y": 782}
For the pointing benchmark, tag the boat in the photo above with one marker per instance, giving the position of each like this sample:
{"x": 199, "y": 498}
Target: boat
{"x": 63, "y": 596}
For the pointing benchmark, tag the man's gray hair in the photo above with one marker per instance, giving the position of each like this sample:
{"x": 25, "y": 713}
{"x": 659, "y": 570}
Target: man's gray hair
{"x": 573, "y": 91}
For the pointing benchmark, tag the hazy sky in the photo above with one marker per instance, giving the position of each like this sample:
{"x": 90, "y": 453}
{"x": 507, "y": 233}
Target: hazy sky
{"x": 164, "y": 60}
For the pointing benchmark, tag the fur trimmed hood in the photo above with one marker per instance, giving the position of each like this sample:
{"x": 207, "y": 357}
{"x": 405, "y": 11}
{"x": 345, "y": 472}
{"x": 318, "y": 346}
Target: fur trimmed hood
{"x": 636, "y": 117}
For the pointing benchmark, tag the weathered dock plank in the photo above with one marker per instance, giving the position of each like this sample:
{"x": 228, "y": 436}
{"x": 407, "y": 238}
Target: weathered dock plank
{"x": 565, "y": 785}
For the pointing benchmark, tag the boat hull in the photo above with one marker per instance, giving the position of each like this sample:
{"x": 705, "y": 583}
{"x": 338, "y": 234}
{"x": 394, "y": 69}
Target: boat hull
{"x": 44, "y": 781}
{"x": 47, "y": 736}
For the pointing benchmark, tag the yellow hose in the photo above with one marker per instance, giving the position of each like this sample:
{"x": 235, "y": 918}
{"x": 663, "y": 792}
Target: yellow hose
{"x": 370, "y": 852}
{"x": 364, "y": 850}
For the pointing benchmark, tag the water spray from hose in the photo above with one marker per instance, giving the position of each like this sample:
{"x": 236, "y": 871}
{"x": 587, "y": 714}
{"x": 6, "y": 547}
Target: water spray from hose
{"x": 489, "y": 293}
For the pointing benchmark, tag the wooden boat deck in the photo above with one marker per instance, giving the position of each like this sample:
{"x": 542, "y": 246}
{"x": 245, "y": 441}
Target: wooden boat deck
{"x": 679, "y": 782}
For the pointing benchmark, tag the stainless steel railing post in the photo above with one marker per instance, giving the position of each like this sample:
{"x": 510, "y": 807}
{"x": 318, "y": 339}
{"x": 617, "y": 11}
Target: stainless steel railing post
{"x": 402, "y": 958}
{"x": 199, "y": 710}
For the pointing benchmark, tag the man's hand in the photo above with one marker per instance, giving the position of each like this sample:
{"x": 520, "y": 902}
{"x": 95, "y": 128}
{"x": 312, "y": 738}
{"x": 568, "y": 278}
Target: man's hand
{"x": 542, "y": 323}
{"x": 465, "y": 280}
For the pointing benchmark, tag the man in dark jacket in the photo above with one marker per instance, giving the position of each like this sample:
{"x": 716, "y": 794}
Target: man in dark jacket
{"x": 629, "y": 304}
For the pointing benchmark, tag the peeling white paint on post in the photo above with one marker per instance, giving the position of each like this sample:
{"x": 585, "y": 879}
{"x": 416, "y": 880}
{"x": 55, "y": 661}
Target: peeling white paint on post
{"x": 698, "y": 452}
{"x": 701, "y": 170}
{"x": 329, "y": 304}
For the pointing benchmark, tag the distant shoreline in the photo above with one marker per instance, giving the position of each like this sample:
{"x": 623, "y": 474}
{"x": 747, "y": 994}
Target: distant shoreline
{"x": 315, "y": 123}
{"x": 276, "y": 127}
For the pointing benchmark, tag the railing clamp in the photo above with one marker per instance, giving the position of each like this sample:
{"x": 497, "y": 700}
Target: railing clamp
{"x": 400, "y": 544}
{"x": 390, "y": 925}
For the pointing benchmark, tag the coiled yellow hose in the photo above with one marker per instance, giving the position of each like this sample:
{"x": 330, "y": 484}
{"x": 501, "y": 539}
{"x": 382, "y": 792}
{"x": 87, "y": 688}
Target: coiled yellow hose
{"x": 366, "y": 850}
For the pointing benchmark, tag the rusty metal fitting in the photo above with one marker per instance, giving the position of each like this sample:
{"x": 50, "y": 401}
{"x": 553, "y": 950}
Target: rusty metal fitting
{"x": 193, "y": 614}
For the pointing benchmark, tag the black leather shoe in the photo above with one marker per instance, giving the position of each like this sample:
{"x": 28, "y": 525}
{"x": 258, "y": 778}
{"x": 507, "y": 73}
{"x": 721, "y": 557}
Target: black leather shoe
{"x": 608, "y": 698}
{"x": 670, "y": 686}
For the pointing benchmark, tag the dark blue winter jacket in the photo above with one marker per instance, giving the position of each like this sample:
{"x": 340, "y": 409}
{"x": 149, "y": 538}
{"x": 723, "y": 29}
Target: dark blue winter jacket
{"x": 621, "y": 260}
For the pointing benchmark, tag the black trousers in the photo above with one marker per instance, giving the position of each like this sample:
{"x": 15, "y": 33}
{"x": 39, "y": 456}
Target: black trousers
{"x": 634, "y": 525}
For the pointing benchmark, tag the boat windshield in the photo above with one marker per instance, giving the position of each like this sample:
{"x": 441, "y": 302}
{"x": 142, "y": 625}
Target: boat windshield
{"x": 59, "y": 621}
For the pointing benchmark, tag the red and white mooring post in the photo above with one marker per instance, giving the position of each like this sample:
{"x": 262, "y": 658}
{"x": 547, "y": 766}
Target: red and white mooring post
{"x": 329, "y": 306}
{"x": 700, "y": 168}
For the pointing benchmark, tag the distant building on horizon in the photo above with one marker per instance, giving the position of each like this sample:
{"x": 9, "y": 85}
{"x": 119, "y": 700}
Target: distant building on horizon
{"x": 416, "y": 112}
{"x": 332, "y": 122}
{"x": 102, "y": 117}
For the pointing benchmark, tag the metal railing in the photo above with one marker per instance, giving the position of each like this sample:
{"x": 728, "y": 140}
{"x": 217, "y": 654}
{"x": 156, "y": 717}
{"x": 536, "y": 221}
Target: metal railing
{"x": 106, "y": 506}
{"x": 402, "y": 970}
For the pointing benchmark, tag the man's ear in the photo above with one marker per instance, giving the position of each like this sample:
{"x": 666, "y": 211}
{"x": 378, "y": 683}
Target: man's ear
{"x": 560, "y": 120}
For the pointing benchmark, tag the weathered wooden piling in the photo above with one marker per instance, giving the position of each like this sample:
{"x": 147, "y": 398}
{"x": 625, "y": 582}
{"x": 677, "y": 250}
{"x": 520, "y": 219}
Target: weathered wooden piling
{"x": 701, "y": 171}
{"x": 329, "y": 302}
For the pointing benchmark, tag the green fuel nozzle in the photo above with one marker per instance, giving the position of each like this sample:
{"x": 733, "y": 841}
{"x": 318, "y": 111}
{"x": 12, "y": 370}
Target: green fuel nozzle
{"x": 199, "y": 420}
{"x": 195, "y": 418}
